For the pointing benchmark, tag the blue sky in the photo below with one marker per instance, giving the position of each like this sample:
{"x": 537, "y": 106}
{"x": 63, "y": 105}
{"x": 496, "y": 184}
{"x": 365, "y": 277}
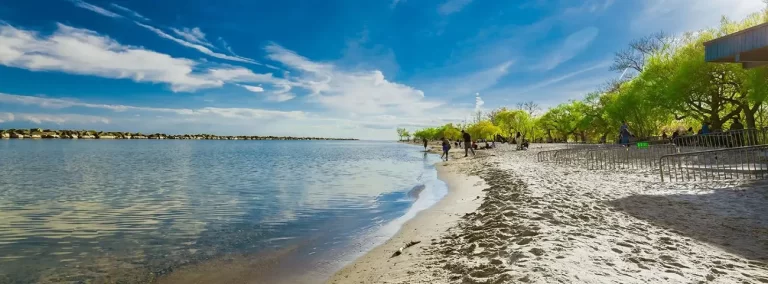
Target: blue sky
{"x": 347, "y": 68}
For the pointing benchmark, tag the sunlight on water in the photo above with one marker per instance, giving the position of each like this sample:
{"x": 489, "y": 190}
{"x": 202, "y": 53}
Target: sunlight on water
{"x": 81, "y": 210}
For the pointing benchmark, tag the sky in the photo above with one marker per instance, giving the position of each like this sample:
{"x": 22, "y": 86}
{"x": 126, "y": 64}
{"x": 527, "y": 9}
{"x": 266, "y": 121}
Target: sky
{"x": 332, "y": 68}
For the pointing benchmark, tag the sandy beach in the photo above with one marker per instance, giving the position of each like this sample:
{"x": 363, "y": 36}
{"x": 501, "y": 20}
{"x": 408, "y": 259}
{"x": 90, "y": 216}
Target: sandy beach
{"x": 509, "y": 219}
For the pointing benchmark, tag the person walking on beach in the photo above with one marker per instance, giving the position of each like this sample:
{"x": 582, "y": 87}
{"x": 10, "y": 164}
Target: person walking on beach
{"x": 446, "y": 148}
{"x": 467, "y": 143}
{"x": 624, "y": 133}
{"x": 425, "y": 143}
{"x": 736, "y": 132}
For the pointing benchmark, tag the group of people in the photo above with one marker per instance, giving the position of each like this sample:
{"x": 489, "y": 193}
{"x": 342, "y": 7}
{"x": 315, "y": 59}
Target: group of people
{"x": 625, "y": 134}
{"x": 735, "y": 126}
{"x": 469, "y": 145}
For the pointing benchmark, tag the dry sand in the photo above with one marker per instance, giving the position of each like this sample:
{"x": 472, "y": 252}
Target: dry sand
{"x": 542, "y": 223}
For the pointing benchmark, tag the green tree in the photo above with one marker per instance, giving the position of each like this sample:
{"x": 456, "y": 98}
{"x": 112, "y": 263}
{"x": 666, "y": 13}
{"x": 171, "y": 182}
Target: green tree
{"x": 484, "y": 129}
{"x": 512, "y": 121}
{"x": 401, "y": 133}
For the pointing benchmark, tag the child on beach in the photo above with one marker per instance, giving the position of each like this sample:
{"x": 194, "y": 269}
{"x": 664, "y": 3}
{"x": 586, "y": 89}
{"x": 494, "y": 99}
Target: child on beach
{"x": 446, "y": 148}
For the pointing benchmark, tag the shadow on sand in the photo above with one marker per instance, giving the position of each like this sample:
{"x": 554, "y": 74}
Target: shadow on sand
{"x": 733, "y": 218}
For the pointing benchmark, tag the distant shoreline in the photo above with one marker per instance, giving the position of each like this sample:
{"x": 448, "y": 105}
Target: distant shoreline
{"x": 101, "y": 135}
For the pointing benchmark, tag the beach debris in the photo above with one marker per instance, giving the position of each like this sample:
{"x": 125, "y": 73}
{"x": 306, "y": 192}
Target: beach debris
{"x": 400, "y": 250}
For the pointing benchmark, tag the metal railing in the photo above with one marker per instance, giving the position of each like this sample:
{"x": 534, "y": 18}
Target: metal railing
{"x": 728, "y": 139}
{"x": 627, "y": 157}
{"x": 748, "y": 162}
{"x": 572, "y": 154}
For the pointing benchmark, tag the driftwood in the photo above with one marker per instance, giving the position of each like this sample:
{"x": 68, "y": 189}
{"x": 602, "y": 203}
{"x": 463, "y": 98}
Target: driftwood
{"x": 400, "y": 250}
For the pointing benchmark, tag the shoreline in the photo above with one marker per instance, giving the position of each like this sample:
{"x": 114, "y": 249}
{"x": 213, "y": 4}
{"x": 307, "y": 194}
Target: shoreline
{"x": 378, "y": 265}
{"x": 543, "y": 223}
{"x": 251, "y": 268}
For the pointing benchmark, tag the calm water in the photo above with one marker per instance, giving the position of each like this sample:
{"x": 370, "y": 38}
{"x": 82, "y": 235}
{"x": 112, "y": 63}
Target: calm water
{"x": 79, "y": 211}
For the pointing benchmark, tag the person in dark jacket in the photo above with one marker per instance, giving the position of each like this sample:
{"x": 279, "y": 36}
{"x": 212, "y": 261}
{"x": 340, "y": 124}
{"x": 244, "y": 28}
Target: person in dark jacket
{"x": 467, "y": 143}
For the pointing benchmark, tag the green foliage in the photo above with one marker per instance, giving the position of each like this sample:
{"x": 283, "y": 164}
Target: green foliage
{"x": 484, "y": 130}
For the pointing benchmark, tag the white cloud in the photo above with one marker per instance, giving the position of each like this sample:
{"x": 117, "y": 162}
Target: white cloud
{"x": 452, "y": 6}
{"x": 192, "y": 35}
{"x": 250, "y": 113}
{"x": 677, "y": 16}
{"x": 241, "y": 74}
{"x": 255, "y": 89}
{"x": 38, "y": 118}
{"x": 85, "y": 52}
{"x": 280, "y": 97}
{"x": 95, "y": 9}
{"x": 228, "y": 121}
{"x": 571, "y": 46}
{"x": 200, "y": 48}
{"x": 244, "y": 113}
{"x": 366, "y": 92}
{"x": 6, "y": 117}
{"x": 129, "y": 11}
{"x": 193, "y": 38}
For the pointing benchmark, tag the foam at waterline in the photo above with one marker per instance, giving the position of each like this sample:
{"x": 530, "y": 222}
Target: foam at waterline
{"x": 428, "y": 193}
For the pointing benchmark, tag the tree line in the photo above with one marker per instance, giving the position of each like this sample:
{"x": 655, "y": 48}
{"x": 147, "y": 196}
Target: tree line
{"x": 665, "y": 86}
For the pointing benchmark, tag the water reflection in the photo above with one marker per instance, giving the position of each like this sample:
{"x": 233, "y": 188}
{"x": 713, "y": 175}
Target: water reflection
{"x": 80, "y": 210}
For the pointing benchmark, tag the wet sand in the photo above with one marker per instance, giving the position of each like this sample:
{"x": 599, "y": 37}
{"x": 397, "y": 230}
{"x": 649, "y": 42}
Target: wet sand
{"x": 413, "y": 265}
{"x": 543, "y": 223}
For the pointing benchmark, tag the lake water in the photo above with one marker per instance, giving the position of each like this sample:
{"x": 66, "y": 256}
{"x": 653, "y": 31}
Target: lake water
{"x": 95, "y": 211}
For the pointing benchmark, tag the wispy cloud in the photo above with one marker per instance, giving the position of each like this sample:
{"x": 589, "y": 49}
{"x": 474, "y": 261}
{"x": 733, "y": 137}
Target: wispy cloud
{"x": 466, "y": 84}
{"x": 129, "y": 11}
{"x": 192, "y": 38}
{"x": 526, "y": 89}
{"x": 192, "y": 35}
{"x": 95, "y": 9}
{"x": 255, "y": 89}
{"x": 452, "y": 6}
{"x": 281, "y": 94}
{"x": 197, "y": 47}
{"x": 40, "y": 118}
{"x": 80, "y": 51}
{"x": 590, "y": 6}
{"x": 357, "y": 92}
{"x": 6, "y": 117}
{"x": 571, "y": 46}
{"x": 280, "y": 97}
{"x": 53, "y": 103}
{"x": 677, "y": 16}
{"x": 223, "y": 121}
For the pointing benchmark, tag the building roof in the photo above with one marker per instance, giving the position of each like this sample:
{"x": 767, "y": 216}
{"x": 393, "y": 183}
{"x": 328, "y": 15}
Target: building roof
{"x": 748, "y": 46}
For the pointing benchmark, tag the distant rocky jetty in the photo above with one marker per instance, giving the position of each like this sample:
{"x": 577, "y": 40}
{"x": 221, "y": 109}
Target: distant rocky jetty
{"x": 92, "y": 134}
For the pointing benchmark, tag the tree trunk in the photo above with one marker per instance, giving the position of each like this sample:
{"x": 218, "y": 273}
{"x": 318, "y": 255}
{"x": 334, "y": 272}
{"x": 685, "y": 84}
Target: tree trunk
{"x": 749, "y": 115}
